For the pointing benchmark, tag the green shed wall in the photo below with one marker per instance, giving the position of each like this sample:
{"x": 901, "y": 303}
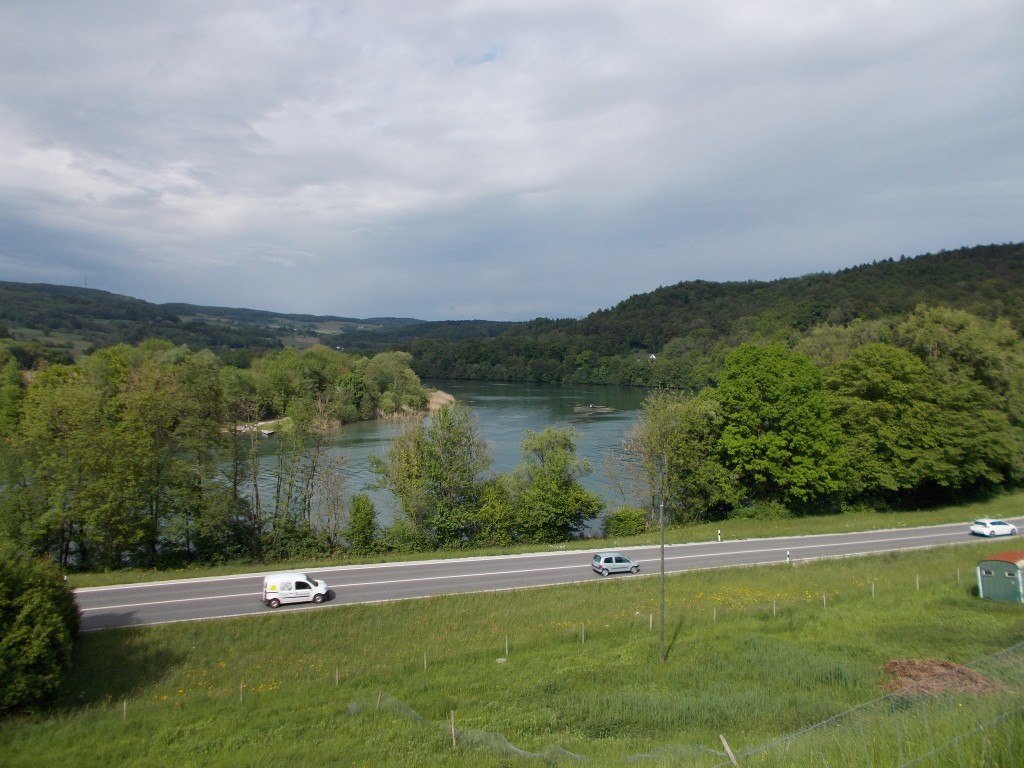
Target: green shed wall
{"x": 1004, "y": 583}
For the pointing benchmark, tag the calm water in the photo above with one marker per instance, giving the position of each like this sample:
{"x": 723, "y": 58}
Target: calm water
{"x": 601, "y": 416}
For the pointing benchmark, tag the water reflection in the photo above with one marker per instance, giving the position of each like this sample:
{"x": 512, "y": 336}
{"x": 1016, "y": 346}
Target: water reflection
{"x": 504, "y": 411}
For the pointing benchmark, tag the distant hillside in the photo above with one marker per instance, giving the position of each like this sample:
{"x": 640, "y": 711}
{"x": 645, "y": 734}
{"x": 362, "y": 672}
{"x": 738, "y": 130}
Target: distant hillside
{"x": 62, "y": 322}
{"x": 688, "y": 320}
{"x": 692, "y": 320}
{"x": 277, "y": 319}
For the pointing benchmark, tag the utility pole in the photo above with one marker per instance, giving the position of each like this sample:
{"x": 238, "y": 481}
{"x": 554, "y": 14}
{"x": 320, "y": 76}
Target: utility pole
{"x": 662, "y": 656}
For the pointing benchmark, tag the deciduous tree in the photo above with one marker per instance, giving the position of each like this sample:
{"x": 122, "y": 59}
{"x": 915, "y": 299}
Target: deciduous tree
{"x": 778, "y": 433}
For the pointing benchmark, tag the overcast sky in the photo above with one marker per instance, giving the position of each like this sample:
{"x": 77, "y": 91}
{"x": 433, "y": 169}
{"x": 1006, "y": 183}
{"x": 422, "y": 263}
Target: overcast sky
{"x": 497, "y": 159}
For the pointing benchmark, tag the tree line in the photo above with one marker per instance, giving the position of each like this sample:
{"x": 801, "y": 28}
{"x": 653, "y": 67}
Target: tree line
{"x": 884, "y": 414}
{"x": 150, "y": 455}
{"x": 690, "y": 326}
{"x": 153, "y": 456}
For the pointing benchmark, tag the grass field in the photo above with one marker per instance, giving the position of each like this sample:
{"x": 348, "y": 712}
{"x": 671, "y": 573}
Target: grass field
{"x": 757, "y": 656}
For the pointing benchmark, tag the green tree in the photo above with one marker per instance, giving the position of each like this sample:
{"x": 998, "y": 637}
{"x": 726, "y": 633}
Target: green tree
{"x": 38, "y": 624}
{"x": 552, "y": 504}
{"x": 363, "y": 531}
{"x": 435, "y": 473}
{"x": 390, "y": 382}
{"x": 498, "y": 523}
{"x": 12, "y": 393}
{"x": 169, "y": 414}
{"x": 675, "y": 447}
{"x": 778, "y": 434}
{"x": 979, "y": 366}
{"x": 884, "y": 401}
{"x": 455, "y": 459}
{"x": 64, "y": 439}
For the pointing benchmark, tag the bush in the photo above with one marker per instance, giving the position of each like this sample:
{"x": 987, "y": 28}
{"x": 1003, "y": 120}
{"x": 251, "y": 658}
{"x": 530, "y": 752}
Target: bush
{"x": 362, "y": 531}
{"x": 626, "y": 521}
{"x": 402, "y": 538}
{"x": 38, "y": 624}
{"x": 290, "y": 540}
{"x": 762, "y": 510}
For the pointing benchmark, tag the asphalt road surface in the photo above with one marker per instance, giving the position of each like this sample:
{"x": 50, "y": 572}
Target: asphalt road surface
{"x": 228, "y": 596}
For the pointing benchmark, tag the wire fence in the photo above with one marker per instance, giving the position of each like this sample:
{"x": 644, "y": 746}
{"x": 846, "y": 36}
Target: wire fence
{"x": 939, "y": 715}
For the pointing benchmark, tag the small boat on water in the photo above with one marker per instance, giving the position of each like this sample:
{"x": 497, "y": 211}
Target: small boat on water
{"x": 587, "y": 409}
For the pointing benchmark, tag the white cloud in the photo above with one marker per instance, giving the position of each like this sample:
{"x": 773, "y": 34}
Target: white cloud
{"x": 497, "y": 159}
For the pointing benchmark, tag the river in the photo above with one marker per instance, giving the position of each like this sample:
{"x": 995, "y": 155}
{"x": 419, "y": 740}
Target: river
{"x": 504, "y": 412}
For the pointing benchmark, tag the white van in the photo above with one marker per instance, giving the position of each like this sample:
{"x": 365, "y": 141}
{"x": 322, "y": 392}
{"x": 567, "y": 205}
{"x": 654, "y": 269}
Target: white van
{"x": 281, "y": 588}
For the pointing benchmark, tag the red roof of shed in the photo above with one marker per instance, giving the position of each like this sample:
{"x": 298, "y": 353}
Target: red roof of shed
{"x": 1016, "y": 557}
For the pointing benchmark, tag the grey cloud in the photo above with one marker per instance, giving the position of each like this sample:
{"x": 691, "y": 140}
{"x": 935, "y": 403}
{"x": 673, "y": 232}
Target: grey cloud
{"x": 496, "y": 158}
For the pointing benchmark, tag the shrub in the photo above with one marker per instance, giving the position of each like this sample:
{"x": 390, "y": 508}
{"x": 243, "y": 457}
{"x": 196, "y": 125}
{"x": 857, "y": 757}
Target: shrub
{"x": 38, "y": 624}
{"x": 362, "y": 531}
{"x": 402, "y": 538}
{"x": 762, "y": 510}
{"x": 625, "y": 521}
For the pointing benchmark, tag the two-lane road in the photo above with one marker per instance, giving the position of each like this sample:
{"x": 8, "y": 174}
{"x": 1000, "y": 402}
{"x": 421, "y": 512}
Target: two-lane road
{"x": 227, "y": 596}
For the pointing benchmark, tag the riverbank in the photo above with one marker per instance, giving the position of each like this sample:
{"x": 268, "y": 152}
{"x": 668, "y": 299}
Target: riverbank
{"x": 438, "y": 399}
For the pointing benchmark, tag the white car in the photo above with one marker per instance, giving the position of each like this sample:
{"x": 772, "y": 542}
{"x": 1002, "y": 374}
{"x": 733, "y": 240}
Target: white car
{"x": 988, "y": 527}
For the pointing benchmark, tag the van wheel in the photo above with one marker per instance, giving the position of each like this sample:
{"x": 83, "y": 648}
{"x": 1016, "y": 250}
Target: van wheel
{"x": 273, "y": 602}
{"x": 604, "y": 571}
{"x": 318, "y": 598}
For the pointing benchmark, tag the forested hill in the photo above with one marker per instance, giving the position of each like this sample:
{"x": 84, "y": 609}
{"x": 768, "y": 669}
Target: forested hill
{"x": 986, "y": 281}
{"x": 58, "y": 323}
{"x": 690, "y": 323}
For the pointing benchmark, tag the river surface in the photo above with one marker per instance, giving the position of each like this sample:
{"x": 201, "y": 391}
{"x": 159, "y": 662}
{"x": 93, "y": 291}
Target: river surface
{"x": 504, "y": 412}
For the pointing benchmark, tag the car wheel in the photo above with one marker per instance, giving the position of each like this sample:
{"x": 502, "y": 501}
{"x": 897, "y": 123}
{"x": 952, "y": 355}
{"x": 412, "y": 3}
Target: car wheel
{"x": 604, "y": 571}
{"x": 635, "y": 569}
{"x": 318, "y": 598}
{"x": 273, "y": 602}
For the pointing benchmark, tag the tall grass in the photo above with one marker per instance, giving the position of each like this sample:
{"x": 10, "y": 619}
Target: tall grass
{"x": 753, "y": 654}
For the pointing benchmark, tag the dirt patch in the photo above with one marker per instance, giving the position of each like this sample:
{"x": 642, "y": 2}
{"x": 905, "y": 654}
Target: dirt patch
{"x": 926, "y": 676}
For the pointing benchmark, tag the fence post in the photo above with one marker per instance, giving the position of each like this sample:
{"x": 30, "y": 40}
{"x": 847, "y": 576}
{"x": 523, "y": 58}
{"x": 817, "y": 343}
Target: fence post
{"x": 732, "y": 757}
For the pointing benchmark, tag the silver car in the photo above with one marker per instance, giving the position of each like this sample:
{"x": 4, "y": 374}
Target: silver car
{"x": 612, "y": 562}
{"x": 986, "y": 526}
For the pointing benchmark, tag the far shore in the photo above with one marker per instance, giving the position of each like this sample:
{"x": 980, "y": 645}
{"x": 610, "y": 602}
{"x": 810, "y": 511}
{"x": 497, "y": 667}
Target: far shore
{"x": 436, "y": 400}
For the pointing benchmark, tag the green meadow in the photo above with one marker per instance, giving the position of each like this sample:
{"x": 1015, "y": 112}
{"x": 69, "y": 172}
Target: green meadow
{"x": 781, "y": 664}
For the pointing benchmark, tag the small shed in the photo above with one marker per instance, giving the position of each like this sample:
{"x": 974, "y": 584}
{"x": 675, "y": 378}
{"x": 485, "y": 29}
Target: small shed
{"x": 1000, "y": 577}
